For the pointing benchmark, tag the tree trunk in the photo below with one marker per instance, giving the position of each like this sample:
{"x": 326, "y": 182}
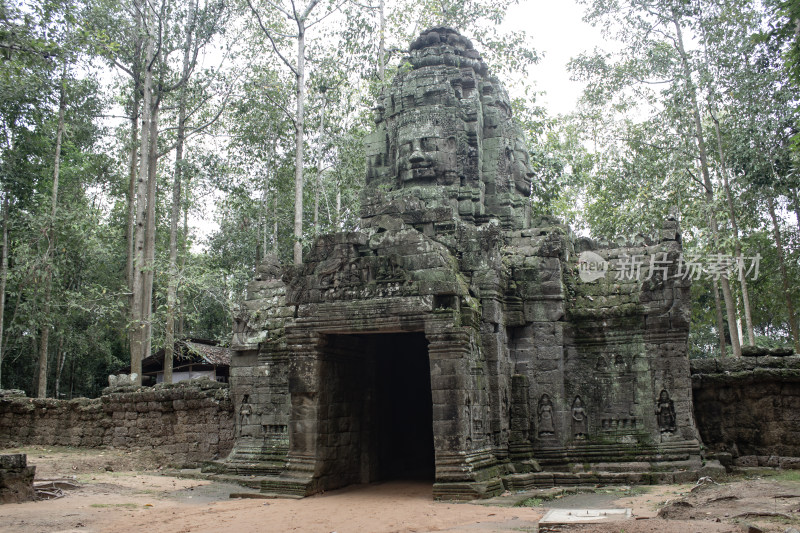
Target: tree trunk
{"x": 61, "y": 356}
{"x": 134, "y": 153}
{"x": 139, "y": 265}
{"x": 3, "y": 279}
{"x": 172, "y": 282}
{"x": 708, "y": 185}
{"x": 381, "y": 42}
{"x": 338, "y": 207}
{"x": 275, "y": 224}
{"x": 776, "y": 232}
{"x": 150, "y": 236}
{"x": 298, "y": 143}
{"x": 265, "y": 195}
{"x": 723, "y": 348}
{"x": 264, "y": 237}
{"x": 181, "y": 312}
{"x": 748, "y": 318}
{"x": 41, "y": 389}
{"x": 41, "y": 383}
{"x": 136, "y": 98}
{"x": 319, "y": 166}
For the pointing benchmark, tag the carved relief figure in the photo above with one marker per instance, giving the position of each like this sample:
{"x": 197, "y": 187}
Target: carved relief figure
{"x": 579, "y": 422}
{"x": 303, "y": 421}
{"x": 546, "y": 427}
{"x": 245, "y": 413}
{"x": 665, "y": 412}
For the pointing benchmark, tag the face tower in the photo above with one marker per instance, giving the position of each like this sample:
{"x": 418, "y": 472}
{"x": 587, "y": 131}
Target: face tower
{"x": 452, "y": 337}
{"x": 444, "y": 136}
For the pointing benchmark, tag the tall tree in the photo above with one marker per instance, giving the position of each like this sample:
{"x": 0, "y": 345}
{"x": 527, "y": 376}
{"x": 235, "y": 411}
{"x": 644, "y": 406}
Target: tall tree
{"x": 656, "y": 54}
{"x": 300, "y": 15}
{"x": 676, "y": 18}
{"x": 3, "y": 279}
{"x": 163, "y": 29}
{"x": 145, "y": 200}
{"x": 202, "y": 22}
{"x": 45, "y": 330}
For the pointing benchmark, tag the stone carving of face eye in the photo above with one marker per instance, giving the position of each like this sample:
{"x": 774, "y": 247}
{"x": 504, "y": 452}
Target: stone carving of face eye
{"x": 405, "y": 149}
{"x": 428, "y": 144}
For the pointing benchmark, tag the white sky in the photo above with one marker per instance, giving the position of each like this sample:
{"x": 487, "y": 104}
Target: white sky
{"x": 557, "y": 32}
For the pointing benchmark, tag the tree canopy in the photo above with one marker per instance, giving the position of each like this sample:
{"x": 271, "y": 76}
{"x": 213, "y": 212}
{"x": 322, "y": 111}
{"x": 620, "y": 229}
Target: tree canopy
{"x": 151, "y": 153}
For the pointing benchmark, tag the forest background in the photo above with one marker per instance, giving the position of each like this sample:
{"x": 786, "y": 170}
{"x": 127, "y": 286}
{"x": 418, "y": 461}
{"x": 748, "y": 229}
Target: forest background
{"x": 152, "y": 151}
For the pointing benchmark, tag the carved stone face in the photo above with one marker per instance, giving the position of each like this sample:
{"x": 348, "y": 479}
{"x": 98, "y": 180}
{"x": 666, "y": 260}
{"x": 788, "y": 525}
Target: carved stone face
{"x": 450, "y": 131}
{"x": 521, "y": 171}
{"x": 426, "y": 150}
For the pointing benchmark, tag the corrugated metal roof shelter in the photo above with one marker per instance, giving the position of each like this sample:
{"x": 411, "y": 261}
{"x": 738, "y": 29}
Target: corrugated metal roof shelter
{"x": 192, "y": 358}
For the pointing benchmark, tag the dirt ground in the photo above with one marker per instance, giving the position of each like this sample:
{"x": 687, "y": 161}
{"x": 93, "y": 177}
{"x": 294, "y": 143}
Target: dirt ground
{"x": 126, "y": 492}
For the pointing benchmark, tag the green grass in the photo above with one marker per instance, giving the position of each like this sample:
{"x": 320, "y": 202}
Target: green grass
{"x": 785, "y": 475}
{"x": 773, "y": 474}
{"x": 635, "y": 490}
{"x": 538, "y": 501}
{"x": 530, "y": 502}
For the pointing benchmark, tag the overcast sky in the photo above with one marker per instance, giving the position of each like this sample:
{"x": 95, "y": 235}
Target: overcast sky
{"x": 558, "y": 34}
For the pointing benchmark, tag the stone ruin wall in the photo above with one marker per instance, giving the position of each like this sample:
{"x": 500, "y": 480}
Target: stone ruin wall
{"x": 748, "y": 410}
{"x": 186, "y": 422}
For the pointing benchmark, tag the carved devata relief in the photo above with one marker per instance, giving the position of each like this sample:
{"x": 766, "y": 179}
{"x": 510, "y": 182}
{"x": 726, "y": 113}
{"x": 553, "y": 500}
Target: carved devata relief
{"x": 546, "y": 426}
{"x": 665, "y": 413}
{"x": 245, "y": 417}
{"x": 580, "y": 424}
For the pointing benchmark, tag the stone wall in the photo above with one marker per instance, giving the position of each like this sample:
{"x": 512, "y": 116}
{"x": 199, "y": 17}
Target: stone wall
{"x": 749, "y": 408}
{"x": 186, "y": 422}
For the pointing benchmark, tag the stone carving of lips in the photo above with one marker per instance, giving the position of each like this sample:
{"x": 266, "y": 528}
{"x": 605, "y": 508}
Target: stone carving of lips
{"x": 421, "y": 167}
{"x": 419, "y": 162}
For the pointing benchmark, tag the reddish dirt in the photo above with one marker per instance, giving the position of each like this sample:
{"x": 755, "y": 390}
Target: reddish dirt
{"x": 123, "y": 492}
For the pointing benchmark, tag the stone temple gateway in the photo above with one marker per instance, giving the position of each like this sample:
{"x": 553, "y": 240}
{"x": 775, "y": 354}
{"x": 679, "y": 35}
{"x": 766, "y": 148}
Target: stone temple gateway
{"x": 451, "y": 337}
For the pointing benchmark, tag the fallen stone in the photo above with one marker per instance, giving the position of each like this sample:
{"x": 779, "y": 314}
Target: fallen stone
{"x": 16, "y": 479}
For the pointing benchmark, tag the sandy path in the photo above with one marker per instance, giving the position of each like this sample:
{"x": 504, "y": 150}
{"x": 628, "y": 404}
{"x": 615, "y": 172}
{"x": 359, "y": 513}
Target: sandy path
{"x": 116, "y": 494}
{"x": 383, "y": 507}
{"x": 123, "y": 492}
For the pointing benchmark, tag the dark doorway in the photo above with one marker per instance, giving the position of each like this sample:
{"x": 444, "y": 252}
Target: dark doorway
{"x": 404, "y": 407}
{"x": 376, "y": 408}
